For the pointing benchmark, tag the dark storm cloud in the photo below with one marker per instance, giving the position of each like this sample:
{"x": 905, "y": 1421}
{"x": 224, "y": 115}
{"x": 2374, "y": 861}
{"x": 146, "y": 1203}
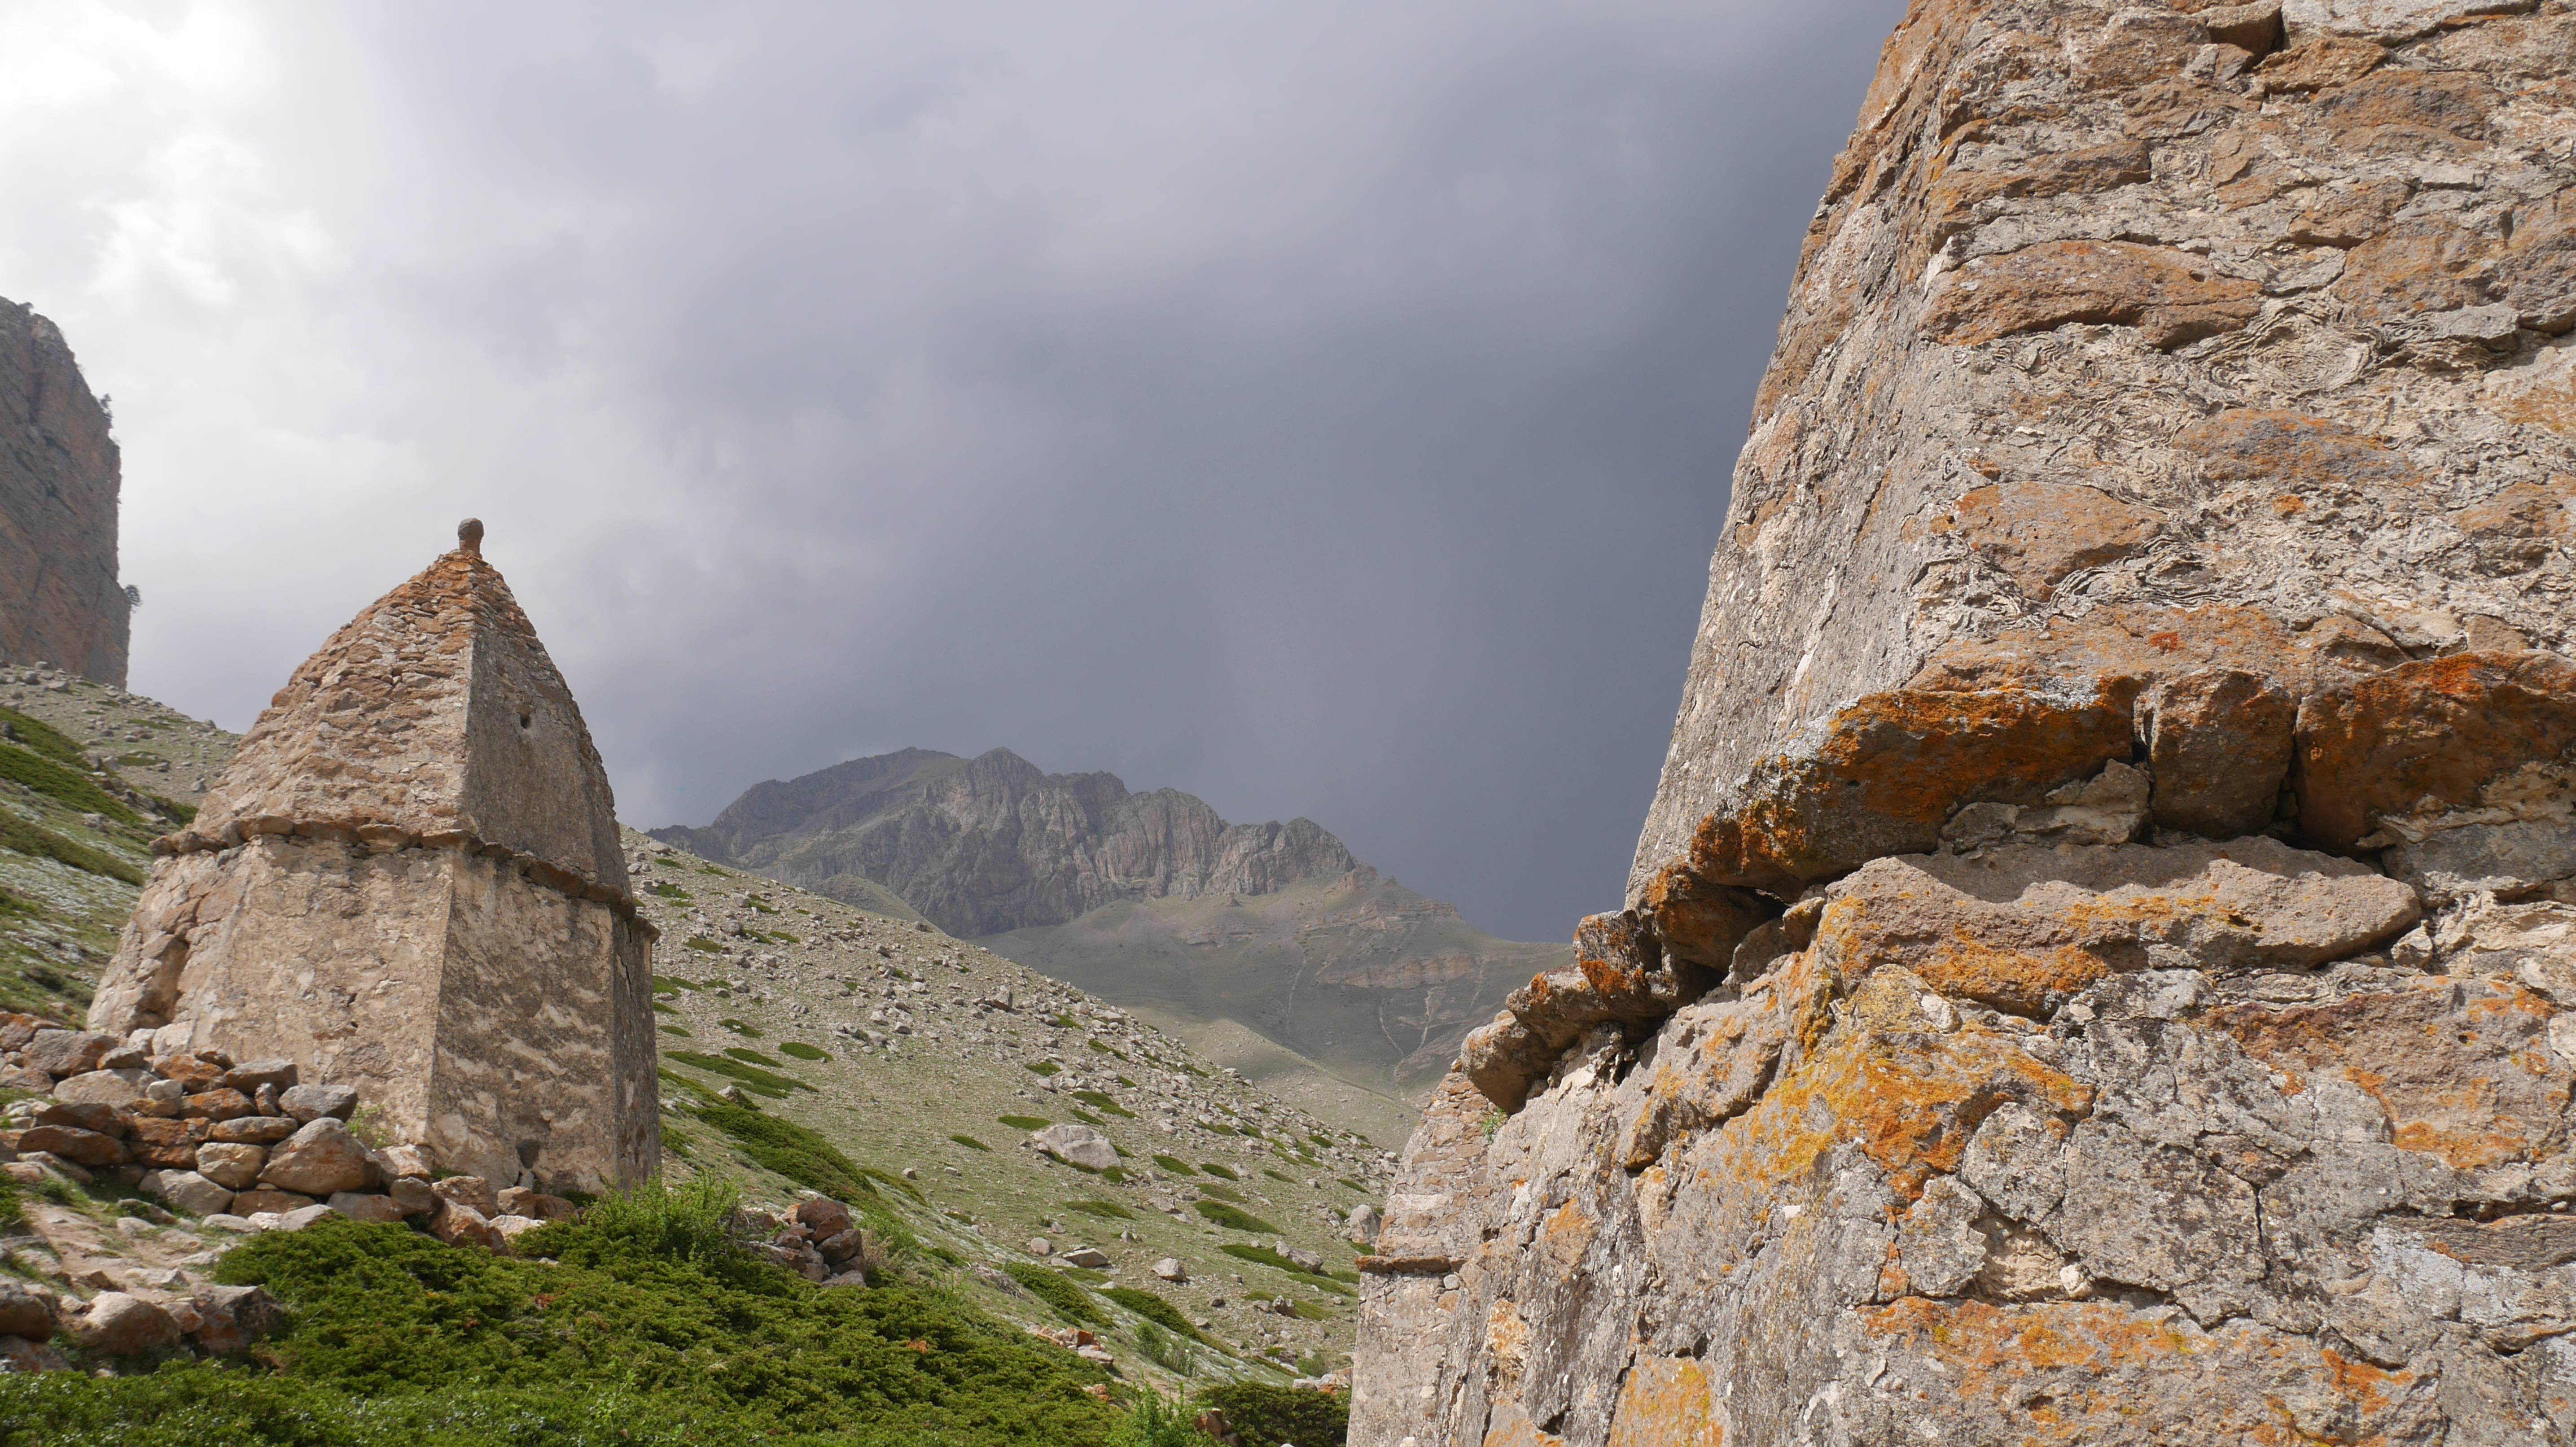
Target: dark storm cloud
{"x": 1325, "y": 409}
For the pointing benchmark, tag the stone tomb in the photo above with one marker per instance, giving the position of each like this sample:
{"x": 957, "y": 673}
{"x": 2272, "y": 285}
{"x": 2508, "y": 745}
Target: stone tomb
{"x": 408, "y": 880}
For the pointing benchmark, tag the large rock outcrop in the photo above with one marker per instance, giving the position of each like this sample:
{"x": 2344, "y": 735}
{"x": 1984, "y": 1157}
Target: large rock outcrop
{"x": 2101, "y": 963}
{"x": 409, "y": 880}
{"x": 60, "y": 601}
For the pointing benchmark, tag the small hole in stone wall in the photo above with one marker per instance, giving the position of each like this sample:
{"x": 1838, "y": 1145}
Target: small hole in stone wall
{"x": 523, "y": 720}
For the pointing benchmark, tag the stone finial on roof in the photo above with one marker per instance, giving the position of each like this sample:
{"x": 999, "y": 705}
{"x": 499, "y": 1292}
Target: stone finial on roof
{"x": 469, "y": 536}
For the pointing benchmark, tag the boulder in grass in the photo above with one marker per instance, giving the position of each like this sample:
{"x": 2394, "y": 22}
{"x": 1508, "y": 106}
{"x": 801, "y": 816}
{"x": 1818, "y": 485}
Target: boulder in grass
{"x": 521, "y": 1201}
{"x": 321, "y": 1158}
{"x": 412, "y": 1194}
{"x": 511, "y": 1228}
{"x": 459, "y": 1225}
{"x": 120, "y": 1324}
{"x": 822, "y": 1216}
{"x": 22, "y": 1356}
{"x": 472, "y": 1191}
{"x": 230, "y": 1318}
{"x": 1170, "y": 1269}
{"x": 303, "y": 1216}
{"x": 27, "y": 1310}
{"x": 1077, "y": 1145}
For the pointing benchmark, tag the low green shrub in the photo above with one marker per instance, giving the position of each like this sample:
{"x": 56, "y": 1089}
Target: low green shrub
{"x": 641, "y": 1330}
{"x": 1102, "y": 1102}
{"x": 1025, "y": 1122}
{"x": 1055, "y": 1289}
{"x": 1342, "y": 1282}
{"x": 1264, "y": 1415}
{"x": 799, "y": 1050}
{"x": 1043, "y": 1067}
{"x": 1234, "y": 1218}
{"x": 753, "y": 1057}
{"x": 970, "y": 1143}
{"x": 1110, "y": 1210}
{"x": 1176, "y": 1165}
{"x": 1222, "y": 1194}
{"x": 1154, "y": 1309}
{"x": 1221, "y": 1172}
{"x": 750, "y": 1075}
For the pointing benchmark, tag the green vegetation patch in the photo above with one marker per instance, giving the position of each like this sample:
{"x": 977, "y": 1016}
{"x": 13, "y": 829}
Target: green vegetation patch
{"x": 753, "y": 1057}
{"x": 1234, "y": 1218}
{"x": 1342, "y": 1282}
{"x": 648, "y": 1326}
{"x": 1110, "y": 1209}
{"x": 40, "y": 737}
{"x": 1354, "y": 1185}
{"x": 1055, "y": 1289}
{"x": 702, "y": 945}
{"x": 676, "y": 1030}
{"x": 1102, "y": 1048}
{"x": 1176, "y": 1165}
{"x": 1222, "y": 1194}
{"x": 970, "y": 1143}
{"x": 1099, "y": 1101}
{"x": 664, "y": 984}
{"x": 1154, "y": 1309}
{"x": 1276, "y": 1176}
{"x": 667, "y": 890}
{"x": 799, "y": 1050}
{"x": 65, "y": 784}
{"x": 1025, "y": 1122}
{"x": 1264, "y": 1414}
{"x": 1065, "y": 1022}
{"x": 1087, "y": 1118}
{"x": 740, "y": 1027}
{"x": 40, "y": 843}
{"x": 802, "y": 1155}
{"x": 751, "y": 1076}
{"x": 1219, "y": 1170}
{"x": 1043, "y": 1067}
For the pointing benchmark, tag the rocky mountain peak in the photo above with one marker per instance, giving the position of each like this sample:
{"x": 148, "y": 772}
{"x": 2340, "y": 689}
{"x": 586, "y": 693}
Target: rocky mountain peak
{"x": 990, "y": 844}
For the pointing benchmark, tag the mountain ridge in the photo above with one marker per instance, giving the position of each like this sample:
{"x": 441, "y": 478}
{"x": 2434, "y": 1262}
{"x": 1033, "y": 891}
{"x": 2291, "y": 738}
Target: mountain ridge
{"x": 1150, "y": 900}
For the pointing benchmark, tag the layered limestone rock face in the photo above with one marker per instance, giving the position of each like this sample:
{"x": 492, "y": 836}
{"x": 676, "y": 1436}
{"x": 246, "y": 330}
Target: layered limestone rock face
{"x": 408, "y": 879}
{"x": 2101, "y": 963}
{"x": 60, "y": 601}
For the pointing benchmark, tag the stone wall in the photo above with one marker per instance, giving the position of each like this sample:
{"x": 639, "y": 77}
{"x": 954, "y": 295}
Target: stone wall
{"x": 2101, "y": 964}
{"x": 60, "y": 601}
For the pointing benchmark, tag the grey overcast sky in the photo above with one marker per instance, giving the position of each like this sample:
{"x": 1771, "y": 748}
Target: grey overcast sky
{"x": 1325, "y": 408}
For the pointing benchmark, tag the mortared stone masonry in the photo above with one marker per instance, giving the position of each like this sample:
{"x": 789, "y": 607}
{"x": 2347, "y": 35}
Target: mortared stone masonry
{"x": 408, "y": 881}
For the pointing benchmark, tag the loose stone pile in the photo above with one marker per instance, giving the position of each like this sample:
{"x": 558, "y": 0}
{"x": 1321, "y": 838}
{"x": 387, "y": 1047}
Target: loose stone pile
{"x": 246, "y": 1146}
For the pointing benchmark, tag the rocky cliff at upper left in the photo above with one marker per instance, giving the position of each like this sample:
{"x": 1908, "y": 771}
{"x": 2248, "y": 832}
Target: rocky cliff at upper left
{"x": 60, "y": 601}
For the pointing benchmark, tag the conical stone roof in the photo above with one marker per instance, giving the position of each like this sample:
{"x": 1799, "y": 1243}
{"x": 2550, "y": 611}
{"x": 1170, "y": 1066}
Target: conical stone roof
{"x": 434, "y": 715}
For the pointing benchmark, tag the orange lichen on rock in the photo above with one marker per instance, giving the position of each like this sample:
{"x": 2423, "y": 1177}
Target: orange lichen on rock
{"x": 1887, "y": 772}
{"x": 2172, "y": 296}
{"x": 2428, "y": 733}
{"x": 1908, "y": 1101}
{"x": 2463, "y": 1068}
{"x": 2072, "y": 1372}
{"x": 1666, "y": 1403}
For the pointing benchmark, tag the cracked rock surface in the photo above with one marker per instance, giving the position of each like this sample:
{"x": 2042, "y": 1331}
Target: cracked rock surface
{"x": 2100, "y": 966}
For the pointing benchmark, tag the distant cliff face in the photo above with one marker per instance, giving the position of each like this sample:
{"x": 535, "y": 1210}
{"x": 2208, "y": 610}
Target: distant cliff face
{"x": 2100, "y": 966}
{"x": 990, "y": 844}
{"x": 60, "y": 601}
